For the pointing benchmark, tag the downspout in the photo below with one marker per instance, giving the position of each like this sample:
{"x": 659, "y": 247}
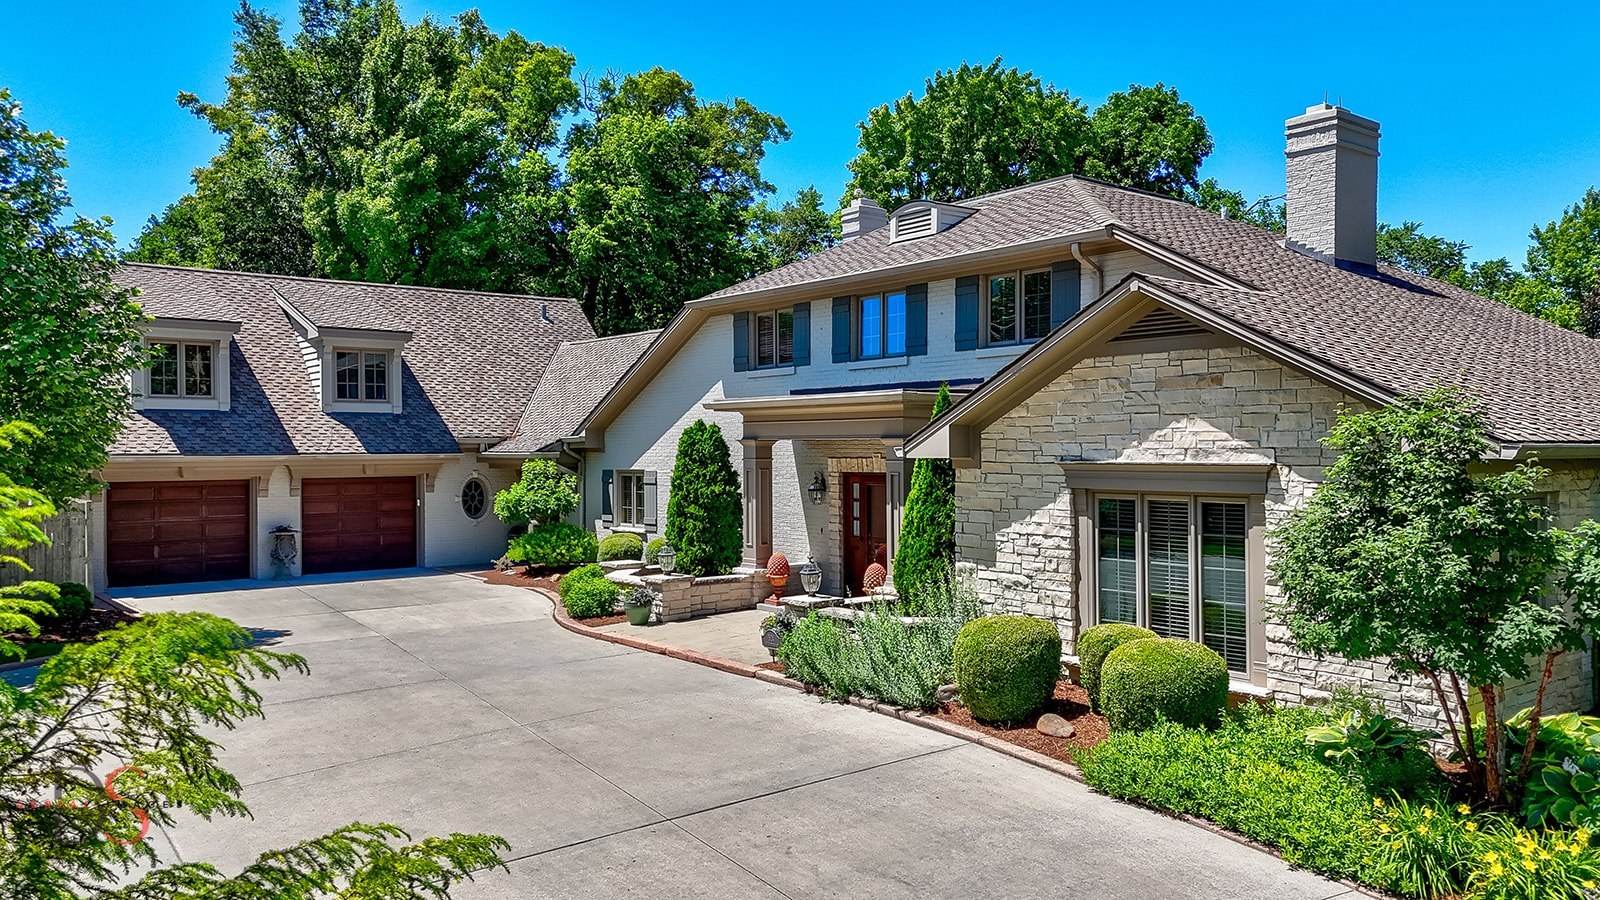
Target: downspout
{"x": 1099, "y": 276}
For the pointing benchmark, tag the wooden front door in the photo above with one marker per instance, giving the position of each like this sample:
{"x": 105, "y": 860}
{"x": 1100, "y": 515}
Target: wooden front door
{"x": 160, "y": 532}
{"x": 354, "y": 524}
{"x": 866, "y": 531}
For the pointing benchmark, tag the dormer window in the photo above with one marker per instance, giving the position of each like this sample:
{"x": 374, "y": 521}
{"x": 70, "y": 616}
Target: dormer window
{"x": 188, "y": 366}
{"x": 361, "y": 375}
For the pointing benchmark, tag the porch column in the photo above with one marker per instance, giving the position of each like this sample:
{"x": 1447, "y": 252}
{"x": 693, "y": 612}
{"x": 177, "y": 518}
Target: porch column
{"x": 757, "y": 502}
{"x": 897, "y": 485}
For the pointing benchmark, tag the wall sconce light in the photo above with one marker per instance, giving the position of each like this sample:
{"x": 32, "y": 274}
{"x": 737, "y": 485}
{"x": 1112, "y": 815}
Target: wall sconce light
{"x": 818, "y": 488}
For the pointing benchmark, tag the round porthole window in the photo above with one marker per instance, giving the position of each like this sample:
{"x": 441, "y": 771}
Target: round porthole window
{"x": 474, "y": 499}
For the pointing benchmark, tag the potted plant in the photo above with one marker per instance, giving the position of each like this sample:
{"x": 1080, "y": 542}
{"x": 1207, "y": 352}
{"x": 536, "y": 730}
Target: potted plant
{"x": 639, "y": 604}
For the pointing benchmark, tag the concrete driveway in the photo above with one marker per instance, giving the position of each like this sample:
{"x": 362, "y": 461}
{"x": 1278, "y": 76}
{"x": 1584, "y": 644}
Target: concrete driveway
{"x": 442, "y": 704}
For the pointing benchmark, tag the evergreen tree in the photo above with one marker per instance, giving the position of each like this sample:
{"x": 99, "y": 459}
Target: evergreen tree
{"x": 705, "y": 516}
{"x": 928, "y": 529}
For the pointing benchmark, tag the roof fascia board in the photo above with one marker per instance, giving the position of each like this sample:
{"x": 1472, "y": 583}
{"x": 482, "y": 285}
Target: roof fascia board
{"x": 1177, "y": 260}
{"x": 169, "y": 325}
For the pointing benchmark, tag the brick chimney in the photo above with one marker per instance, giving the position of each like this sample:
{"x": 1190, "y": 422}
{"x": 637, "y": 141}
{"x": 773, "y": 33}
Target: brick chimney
{"x": 1333, "y": 185}
{"x": 860, "y": 217}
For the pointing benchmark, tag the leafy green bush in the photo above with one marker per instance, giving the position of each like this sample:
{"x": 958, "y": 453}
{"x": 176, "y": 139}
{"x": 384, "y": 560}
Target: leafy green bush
{"x": 652, "y": 550}
{"x": 1095, "y": 644}
{"x": 1421, "y": 849}
{"x": 556, "y": 544}
{"x": 1512, "y": 863}
{"x": 882, "y": 657}
{"x": 1144, "y": 682}
{"x": 586, "y": 593}
{"x": 928, "y": 527}
{"x": 1007, "y": 666}
{"x": 1563, "y": 785}
{"x": 621, "y": 545}
{"x": 705, "y": 515}
{"x": 545, "y": 493}
{"x": 1386, "y": 754}
{"x": 73, "y": 602}
{"x": 1253, "y": 775}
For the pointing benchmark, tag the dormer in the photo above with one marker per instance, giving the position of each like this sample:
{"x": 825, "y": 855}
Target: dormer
{"x": 921, "y": 218}
{"x": 353, "y": 370}
{"x": 188, "y": 365}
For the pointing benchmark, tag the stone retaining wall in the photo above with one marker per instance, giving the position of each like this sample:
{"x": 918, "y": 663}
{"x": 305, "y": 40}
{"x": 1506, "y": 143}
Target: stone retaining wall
{"x": 686, "y": 597}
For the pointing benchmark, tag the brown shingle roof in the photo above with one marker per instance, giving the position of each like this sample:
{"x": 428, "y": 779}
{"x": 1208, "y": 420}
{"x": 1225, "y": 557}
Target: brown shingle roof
{"x": 468, "y": 366}
{"x": 577, "y": 377}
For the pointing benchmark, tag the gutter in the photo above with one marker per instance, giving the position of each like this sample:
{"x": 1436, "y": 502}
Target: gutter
{"x": 1089, "y": 263}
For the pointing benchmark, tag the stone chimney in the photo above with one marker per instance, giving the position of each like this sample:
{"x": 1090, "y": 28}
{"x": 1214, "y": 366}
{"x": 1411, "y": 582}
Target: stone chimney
{"x": 860, "y": 217}
{"x": 1333, "y": 185}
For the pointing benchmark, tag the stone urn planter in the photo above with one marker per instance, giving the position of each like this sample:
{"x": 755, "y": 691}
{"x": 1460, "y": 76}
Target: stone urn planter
{"x": 777, "y": 575}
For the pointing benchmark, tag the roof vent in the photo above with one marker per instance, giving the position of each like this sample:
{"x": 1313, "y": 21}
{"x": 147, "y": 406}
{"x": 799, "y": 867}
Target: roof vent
{"x": 921, "y": 218}
{"x": 1159, "y": 323}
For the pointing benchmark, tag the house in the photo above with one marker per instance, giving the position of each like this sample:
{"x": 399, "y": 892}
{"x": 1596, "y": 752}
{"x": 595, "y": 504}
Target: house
{"x": 357, "y": 415}
{"x": 1129, "y": 466}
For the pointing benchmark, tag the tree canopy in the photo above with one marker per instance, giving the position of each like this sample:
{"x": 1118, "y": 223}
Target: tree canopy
{"x": 69, "y": 336}
{"x": 978, "y": 129}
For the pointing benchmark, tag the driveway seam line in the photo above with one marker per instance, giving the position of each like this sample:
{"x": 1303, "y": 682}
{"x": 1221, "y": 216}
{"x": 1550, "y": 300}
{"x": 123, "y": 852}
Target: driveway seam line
{"x": 377, "y": 756}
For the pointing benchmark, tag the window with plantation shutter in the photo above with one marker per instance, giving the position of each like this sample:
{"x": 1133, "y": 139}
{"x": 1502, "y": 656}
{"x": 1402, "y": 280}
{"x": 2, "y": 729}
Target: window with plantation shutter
{"x": 1178, "y": 566}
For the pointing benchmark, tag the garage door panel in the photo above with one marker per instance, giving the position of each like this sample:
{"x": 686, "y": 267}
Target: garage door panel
{"x": 351, "y": 524}
{"x": 164, "y": 532}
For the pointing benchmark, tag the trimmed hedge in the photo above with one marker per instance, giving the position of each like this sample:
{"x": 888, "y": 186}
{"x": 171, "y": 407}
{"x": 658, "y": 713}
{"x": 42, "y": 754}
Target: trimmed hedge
{"x": 621, "y": 545}
{"x": 1007, "y": 666}
{"x": 652, "y": 550}
{"x": 705, "y": 511}
{"x": 1160, "y": 679}
{"x": 586, "y": 593}
{"x": 928, "y": 527}
{"x": 1095, "y": 644}
{"x": 556, "y": 544}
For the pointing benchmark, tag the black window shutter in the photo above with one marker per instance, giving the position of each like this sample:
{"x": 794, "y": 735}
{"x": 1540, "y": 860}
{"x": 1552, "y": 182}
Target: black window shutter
{"x": 917, "y": 320}
{"x": 605, "y": 495}
{"x": 741, "y": 341}
{"x": 967, "y": 313}
{"x": 1066, "y": 291}
{"x": 802, "y": 334}
{"x": 841, "y": 329}
{"x": 650, "y": 499}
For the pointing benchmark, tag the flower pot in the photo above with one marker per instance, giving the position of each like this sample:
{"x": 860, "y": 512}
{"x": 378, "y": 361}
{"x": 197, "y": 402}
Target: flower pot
{"x": 638, "y": 615}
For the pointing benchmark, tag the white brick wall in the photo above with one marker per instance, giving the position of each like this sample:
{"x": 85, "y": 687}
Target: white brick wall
{"x": 1015, "y": 523}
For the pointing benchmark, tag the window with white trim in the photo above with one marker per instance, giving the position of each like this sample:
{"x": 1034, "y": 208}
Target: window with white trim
{"x": 774, "y": 339}
{"x": 1177, "y": 566}
{"x": 881, "y": 325}
{"x": 1016, "y": 307}
{"x": 361, "y": 375}
{"x": 630, "y": 498}
{"x": 182, "y": 369}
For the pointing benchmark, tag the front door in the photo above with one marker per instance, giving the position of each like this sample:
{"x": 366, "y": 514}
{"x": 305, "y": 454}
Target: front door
{"x": 866, "y": 531}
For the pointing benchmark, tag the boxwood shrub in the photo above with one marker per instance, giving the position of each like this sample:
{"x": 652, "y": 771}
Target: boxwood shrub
{"x": 621, "y": 545}
{"x": 557, "y": 544}
{"x": 1007, "y": 666}
{"x": 1161, "y": 679}
{"x": 586, "y": 593}
{"x": 74, "y": 601}
{"x": 652, "y": 550}
{"x": 1095, "y": 644}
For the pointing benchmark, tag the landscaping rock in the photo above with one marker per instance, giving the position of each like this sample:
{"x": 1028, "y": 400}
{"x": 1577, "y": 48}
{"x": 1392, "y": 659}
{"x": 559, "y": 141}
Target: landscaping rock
{"x": 948, "y": 693}
{"x": 1055, "y": 726}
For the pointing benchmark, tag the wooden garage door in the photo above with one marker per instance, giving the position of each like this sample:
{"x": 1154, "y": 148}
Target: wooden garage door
{"x": 351, "y": 524}
{"x": 158, "y": 532}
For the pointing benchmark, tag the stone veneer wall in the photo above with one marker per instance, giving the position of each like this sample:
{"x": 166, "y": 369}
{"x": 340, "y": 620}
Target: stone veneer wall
{"x": 1015, "y": 522}
{"x": 686, "y": 597}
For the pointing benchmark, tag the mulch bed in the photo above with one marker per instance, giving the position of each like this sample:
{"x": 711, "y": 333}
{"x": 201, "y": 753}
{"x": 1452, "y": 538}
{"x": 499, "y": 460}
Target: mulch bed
{"x": 1070, "y": 703}
{"x": 774, "y": 666}
{"x": 55, "y": 635}
{"x": 597, "y": 621}
{"x": 524, "y": 577}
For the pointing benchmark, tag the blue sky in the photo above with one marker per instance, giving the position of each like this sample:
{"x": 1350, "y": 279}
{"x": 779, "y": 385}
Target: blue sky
{"x": 1488, "y": 118}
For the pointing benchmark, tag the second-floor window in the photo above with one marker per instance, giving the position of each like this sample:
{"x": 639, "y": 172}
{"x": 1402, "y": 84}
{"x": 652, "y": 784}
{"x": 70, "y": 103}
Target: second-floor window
{"x": 775, "y": 338}
{"x": 1017, "y": 307}
{"x": 361, "y": 375}
{"x": 181, "y": 369}
{"x": 882, "y": 325}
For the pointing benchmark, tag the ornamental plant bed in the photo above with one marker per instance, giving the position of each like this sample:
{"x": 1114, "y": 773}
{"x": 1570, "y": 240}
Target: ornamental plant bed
{"x": 55, "y": 635}
{"x": 1070, "y": 703}
{"x": 524, "y": 577}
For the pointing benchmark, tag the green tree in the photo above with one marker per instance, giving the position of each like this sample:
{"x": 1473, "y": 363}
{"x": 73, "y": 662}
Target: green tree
{"x": 661, "y": 192}
{"x": 1268, "y": 212}
{"x": 545, "y": 493}
{"x": 1407, "y": 553}
{"x": 21, "y": 512}
{"x": 793, "y": 231}
{"x": 1565, "y": 254}
{"x": 705, "y": 514}
{"x": 1406, "y": 247}
{"x": 927, "y": 549}
{"x": 69, "y": 336}
{"x": 366, "y": 148}
{"x": 978, "y": 129}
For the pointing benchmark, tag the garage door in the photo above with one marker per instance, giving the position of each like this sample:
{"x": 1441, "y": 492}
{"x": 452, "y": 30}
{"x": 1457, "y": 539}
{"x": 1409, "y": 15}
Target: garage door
{"x": 158, "y": 532}
{"x": 351, "y": 524}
